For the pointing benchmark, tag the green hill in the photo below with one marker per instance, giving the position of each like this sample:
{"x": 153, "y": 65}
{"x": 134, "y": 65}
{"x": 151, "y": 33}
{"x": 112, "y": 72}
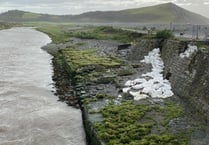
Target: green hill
{"x": 164, "y": 13}
{"x": 22, "y": 16}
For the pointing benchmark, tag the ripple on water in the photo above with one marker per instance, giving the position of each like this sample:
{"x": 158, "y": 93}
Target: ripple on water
{"x": 29, "y": 112}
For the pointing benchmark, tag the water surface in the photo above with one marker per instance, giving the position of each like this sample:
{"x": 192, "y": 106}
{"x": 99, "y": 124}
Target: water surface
{"x": 29, "y": 112}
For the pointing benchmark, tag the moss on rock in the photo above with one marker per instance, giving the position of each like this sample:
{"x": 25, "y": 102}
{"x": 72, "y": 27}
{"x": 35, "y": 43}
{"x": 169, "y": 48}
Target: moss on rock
{"x": 79, "y": 59}
{"x": 123, "y": 124}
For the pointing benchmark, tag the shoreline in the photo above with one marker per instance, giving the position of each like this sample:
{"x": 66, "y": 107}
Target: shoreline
{"x": 91, "y": 92}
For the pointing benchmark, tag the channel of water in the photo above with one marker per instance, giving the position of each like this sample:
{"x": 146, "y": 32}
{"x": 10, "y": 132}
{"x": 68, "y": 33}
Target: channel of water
{"x": 29, "y": 111}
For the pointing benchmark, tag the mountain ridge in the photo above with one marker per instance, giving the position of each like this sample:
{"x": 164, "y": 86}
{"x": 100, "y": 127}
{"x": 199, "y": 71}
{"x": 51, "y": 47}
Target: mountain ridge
{"x": 163, "y": 13}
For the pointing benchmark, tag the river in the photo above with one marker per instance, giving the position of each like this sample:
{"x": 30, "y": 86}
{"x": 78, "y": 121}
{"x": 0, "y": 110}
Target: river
{"x": 29, "y": 111}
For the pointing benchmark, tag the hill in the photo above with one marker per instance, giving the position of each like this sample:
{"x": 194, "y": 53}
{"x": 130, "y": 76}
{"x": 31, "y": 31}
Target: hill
{"x": 164, "y": 13}
{"x": 22, "y": 16}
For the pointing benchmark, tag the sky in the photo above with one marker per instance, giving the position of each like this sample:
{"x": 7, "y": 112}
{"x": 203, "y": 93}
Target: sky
{"x": 79, "y": 6}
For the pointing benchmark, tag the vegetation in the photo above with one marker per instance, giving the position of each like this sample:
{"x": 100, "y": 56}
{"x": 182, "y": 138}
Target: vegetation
{"x": 129, "y": 124}
{"x": 60, "y": 33}
{"x": 203, "y": 44}
{"x": 164, "y": 34}
{"x": 107, "y": 33}
{"x": 98, "y": 97}
{"x": 163, "y": 12}
{"x": 31, "y": 16}
{"x": 4, "y": 25}
{"x": 79, "y": 59}
{"x": 56, "y": 32}
{"x": 87, "y": 66}
{"x": 59, "y": 59}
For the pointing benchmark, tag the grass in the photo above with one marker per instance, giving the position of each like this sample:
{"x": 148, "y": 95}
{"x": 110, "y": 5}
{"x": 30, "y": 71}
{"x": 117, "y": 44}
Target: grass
{"x": 55, "y": 32}
{"x": 123, "y": 124}
{"x": 61, "y": 34}
{"x": 107, "y": 33}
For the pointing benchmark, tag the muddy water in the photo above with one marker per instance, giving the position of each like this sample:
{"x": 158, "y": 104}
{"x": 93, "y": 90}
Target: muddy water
{"x": 29, "y": 112}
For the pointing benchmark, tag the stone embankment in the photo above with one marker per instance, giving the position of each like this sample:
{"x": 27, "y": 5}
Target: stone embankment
{"x": 91, "y": 74}
{"x": 189, "y": 76}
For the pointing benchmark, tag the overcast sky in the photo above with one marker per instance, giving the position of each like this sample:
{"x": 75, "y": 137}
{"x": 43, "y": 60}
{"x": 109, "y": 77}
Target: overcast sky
{"x": 80, "y": 6}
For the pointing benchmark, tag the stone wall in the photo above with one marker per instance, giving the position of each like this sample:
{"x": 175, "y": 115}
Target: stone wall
{"x": 189, "y": 77}
{"x": 199, "y": 89}
{"x": 177, "y": 67}
{"x": 142, "y": 48}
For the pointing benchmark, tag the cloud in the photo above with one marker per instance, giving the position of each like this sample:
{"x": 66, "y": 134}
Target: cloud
{"x": 206, "y": 2}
